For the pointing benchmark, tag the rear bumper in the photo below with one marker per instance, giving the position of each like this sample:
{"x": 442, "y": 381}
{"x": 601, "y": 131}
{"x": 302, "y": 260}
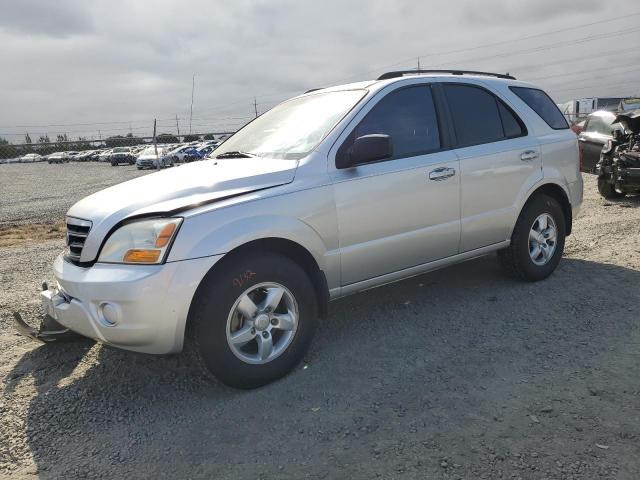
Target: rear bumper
{"x": 136, "y": 307}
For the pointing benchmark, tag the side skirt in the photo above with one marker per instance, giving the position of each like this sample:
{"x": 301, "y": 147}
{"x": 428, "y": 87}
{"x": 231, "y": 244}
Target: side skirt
{"x": 393, "y": 277}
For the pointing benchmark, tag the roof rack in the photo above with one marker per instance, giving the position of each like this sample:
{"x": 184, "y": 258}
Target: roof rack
{"x": 402, "y": 73}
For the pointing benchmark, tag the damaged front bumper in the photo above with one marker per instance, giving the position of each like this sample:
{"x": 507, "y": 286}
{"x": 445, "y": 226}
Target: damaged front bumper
{"x": 49, "y": 330}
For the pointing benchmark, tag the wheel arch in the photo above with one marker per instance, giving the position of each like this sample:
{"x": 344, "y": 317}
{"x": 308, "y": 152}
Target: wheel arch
{"x": 283, "y": 246}
{"x": 558, "y": 193}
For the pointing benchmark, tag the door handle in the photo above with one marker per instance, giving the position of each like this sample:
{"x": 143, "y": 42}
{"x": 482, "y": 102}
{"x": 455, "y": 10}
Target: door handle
{"x": 529, "y": 155}
{"x": 441, "y": 173}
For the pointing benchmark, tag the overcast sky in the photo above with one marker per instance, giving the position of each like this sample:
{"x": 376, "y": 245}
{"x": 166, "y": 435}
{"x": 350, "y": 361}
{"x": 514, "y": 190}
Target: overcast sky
{"x": 78, "y": 66}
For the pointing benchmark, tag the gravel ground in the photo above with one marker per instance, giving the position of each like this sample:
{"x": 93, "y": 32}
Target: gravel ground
{"x": 39, "y": 192}
{"x": 458, "y": 374}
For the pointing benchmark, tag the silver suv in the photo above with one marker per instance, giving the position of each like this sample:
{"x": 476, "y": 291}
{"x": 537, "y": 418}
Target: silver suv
{"x": 329, "y": 193}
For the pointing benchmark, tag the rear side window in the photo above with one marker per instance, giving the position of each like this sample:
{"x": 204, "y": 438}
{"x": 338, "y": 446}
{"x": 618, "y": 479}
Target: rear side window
{"x": 408, "y": 116}
{"x": 479, "y": 117}
{"x": 542, "y": 104}
{"x": 512, "y": 127}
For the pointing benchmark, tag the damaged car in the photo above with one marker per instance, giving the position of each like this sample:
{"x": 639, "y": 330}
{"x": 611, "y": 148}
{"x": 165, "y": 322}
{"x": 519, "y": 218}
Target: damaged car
{"x": 330, "y": 193}
{"x": 619, "y": 167}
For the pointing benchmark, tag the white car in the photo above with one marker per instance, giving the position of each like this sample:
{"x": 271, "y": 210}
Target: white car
{"x": 330, "y": 193}
{"x": 154, "y": 157}
{"x": 31, "y": 157}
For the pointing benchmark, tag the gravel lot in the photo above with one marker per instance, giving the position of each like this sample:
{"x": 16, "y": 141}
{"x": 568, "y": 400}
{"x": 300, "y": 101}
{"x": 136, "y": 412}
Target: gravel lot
{"x": 458, "y": 374}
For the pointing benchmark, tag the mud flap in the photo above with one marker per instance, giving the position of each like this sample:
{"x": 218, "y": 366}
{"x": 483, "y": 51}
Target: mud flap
{"x": 49, "y": 331}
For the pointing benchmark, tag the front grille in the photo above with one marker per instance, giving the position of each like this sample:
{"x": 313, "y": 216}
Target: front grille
{"x": 77, "y": 231}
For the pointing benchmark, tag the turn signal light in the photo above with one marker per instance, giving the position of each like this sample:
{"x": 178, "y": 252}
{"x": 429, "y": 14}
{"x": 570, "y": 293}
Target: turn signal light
{"x": 165, "y": 235}
{"x": 142, "y": 256}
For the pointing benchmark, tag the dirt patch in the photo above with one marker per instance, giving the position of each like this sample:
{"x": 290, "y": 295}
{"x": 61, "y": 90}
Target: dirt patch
{"x": 16, "y": 235}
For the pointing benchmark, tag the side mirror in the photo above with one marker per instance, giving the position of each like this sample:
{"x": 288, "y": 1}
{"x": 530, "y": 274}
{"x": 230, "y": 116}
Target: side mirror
{"x": 365, "y": 149}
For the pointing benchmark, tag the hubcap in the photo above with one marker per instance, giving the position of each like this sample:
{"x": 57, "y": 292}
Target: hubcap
{"x": 262, "y": 323}
{"x": 542, "y": 239}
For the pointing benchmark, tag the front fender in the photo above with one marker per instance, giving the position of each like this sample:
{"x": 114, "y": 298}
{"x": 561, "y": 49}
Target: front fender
{"x": 198, "y": 239}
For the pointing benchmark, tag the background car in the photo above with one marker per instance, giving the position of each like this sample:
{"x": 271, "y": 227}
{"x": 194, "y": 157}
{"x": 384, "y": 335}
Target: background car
{"x": 58, "y": 157}
{"x": 31, "y": 157}
{"x": 149, "y": 158}
{"x": 122, "y": 155}
{"x": 180, "y": 153}
{"x": 595, "y": 134}
{"x": 105, "y": 155}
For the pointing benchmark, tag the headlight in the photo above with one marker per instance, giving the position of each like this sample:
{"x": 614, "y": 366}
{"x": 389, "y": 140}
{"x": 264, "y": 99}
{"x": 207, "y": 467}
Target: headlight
{"x": 143, "y": 241}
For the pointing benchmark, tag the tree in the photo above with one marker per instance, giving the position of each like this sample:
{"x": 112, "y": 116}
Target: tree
{"x": 27, "y": 138}
{"x": 191, "y": 138}
{"x": 7, "y": 150}
{"x": 209, "y": 136}
{"x": 167, "y": 138}
{"x": 120, "y": 141}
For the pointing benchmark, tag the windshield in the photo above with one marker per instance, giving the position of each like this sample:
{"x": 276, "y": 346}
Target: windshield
{"x": 294, "y": 128}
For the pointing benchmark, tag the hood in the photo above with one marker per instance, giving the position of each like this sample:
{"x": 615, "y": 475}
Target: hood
{"x": 172, "y": 190}
{"x": 629, "y": 120}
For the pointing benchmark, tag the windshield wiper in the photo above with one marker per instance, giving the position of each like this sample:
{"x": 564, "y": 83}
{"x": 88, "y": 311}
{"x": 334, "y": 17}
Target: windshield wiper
{"x": 235, "y": 154}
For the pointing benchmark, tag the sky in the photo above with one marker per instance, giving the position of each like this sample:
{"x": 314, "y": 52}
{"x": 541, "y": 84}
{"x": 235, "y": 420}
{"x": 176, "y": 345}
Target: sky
{"x": 90, "y": 68}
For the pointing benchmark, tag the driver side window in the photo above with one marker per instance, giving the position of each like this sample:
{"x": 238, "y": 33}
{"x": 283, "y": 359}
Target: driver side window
{"x": 408, "y": 116}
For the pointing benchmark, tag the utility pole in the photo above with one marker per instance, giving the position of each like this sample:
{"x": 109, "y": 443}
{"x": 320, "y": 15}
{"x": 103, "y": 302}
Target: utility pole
{"x": 177, "y": 126}
{"x": 99, "y": 135}
{"x": 255, "y": 106}
{"x": 193, "y": 86}
{"x": 155, "y": 145}
{"x": 418, "y": 63}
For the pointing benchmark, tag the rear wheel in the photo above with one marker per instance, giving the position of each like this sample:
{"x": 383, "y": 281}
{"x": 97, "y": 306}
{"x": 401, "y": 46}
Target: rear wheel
{"x": 608, "y": 189}
{"x": 253, "y": 319}
{"x": 537, "y": 241}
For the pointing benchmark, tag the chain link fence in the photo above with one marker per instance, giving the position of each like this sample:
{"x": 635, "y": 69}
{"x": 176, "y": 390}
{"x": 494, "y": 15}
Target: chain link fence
{"x": 41, "y": 150}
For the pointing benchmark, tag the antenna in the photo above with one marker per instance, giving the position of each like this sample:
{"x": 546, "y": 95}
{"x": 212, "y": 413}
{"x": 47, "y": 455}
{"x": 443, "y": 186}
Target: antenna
{"x": 255, "y": 106}
{"x": 177, "y": 126}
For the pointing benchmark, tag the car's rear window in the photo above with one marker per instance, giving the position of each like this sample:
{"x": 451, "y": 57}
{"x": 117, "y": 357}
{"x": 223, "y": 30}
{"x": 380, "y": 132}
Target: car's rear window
{"x": 542, "y": 104}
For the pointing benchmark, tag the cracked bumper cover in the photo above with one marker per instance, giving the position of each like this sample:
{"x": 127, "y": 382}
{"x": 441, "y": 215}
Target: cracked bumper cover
{"x": 142, "y": 308}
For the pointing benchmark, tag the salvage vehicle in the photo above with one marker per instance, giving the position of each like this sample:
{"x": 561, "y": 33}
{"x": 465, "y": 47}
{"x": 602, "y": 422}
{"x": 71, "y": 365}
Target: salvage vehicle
{"x": 593, "y": 137}
{"x": 122, "y": 155}
{"x": 330, "y": 193}
{"x": 619, "y": 167}
{"x": 153, "y": 157}
{"x": 58, "y": 157}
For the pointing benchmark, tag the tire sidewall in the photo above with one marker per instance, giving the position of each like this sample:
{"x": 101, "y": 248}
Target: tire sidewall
{"x": 216, "y": 296}
{"x": 538, "y": 206}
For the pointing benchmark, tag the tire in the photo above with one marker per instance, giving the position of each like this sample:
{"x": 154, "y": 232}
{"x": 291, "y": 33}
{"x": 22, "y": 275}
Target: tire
{"x": 113, "y": 164}
{"x": 517, "y": 259}
{"x": 139, "y": 168}
{"x": 607, "y": 189}
{"x": 211, "y": 319}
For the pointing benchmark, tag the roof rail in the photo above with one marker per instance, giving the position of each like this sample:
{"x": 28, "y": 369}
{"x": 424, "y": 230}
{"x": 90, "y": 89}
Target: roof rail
{"x": 402, "y": 73}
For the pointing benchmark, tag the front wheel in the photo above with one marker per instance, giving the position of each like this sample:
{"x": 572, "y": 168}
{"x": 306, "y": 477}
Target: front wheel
{"x": 537, "y": 241}
{"x": 253, "y": 319}
{"x": 608, "y": 189}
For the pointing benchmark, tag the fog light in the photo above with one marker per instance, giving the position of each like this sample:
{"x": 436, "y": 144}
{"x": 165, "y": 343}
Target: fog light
{"x": 109, "y": 314}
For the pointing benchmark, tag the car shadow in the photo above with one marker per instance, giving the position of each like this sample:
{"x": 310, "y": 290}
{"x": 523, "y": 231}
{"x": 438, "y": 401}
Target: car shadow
{"x": 414, "y": 362}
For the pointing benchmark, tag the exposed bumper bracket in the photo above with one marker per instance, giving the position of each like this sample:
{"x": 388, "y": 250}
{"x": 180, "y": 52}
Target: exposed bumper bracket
{"x": 48, "y": 332}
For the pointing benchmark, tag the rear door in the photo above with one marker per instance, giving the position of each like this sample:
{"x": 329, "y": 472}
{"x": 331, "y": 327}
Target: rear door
{"x": 498, "y": 160}
{"x": 404, "y": 211}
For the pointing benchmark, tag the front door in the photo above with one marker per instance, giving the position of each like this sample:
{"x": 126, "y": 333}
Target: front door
{"x": 404, "y": 211}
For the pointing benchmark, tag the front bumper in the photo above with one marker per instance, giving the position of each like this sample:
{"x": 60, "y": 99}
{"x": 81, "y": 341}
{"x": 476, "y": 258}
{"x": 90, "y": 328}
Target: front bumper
{"x": 143, "y": 308}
